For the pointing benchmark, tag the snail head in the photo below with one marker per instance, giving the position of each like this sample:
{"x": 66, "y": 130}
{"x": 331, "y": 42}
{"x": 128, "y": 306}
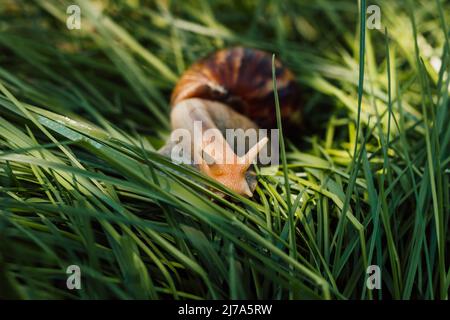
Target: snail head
{"x": 231, "y": 172}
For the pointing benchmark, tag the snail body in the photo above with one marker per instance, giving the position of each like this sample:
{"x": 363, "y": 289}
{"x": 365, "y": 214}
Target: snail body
{"x": 231, "y": 89}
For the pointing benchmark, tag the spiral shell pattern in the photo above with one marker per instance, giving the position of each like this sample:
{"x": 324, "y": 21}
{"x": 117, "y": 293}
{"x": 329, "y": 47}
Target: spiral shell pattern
{"x": 242, "y": 78}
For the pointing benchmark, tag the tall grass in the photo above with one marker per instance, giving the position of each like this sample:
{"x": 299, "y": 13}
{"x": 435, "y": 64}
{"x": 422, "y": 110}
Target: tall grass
{"x": 365, "y": 181}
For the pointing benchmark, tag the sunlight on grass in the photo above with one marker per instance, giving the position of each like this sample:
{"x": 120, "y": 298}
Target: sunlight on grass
{"x": 365, "y": 181}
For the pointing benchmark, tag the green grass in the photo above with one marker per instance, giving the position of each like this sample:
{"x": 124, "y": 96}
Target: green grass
{"x": 365, "y": 181}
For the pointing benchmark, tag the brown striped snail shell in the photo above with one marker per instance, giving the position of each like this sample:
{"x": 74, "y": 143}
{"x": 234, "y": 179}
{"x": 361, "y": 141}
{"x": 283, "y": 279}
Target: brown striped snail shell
{"x": 242, "y": 78}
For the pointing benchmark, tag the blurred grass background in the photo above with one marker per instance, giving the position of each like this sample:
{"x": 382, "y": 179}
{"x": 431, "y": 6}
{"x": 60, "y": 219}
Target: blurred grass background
{"x": 82, "y": 112}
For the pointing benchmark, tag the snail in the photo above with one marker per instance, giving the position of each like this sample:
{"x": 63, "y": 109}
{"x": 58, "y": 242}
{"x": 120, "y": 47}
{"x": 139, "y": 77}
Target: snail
{"x": 231, "y": 89}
